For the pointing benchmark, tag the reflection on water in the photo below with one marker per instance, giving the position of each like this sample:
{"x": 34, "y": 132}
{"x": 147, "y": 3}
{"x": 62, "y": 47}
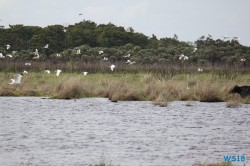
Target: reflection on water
{"x": 35, "y": 131}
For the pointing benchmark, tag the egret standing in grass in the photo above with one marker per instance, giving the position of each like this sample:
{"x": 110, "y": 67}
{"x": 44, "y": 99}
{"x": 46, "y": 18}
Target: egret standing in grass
{"x": 27, "y": 64}
{"x": 85, "y": 73}
{"x": 17, "y": 79}
{"x": 112, "y": 67}
{"x": 105, "y": 58}
{"x": 47, "y": 71}
{"x": 58, "y": 72}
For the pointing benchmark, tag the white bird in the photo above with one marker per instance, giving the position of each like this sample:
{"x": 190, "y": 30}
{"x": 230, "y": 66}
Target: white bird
{"x": 27, "y": 64}
{"x": 112, "y": 67}
{"x": 17, "y": 79}
{"x": 36, "y": 52}
{"x": 25, "y": 72}
{"x": 58, "y": 55}
{"x": 47, "y": 71}
{"x": 183, "y": 57}
{"x": 105, "y": 58}
{"x": 9, "y": 55}
{"x": 46, "y": 46}
{"x": 58, "y": 72}
{"x": 195, "y": 49}
{"x": 36, "y": 57}
{"x": 85, "y": 73}
{"x": 100, "y": 52}
{"x": 130, "y": 62}
{"x": 126, "y": 56}
{"x": 64, "y": 30}
{"x": 1, "y": 55}
{"x": 7, "y": 46}
{"x": 78, "y": 51}
{"x": 243, "y": 59}
{"x": 200, "y": 69}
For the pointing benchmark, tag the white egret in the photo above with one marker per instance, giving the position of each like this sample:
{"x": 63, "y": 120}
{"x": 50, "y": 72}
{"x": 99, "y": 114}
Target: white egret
{"x": 36, "y": 52}
{"x": 100, "y": 52}
{"x": 25, "y": 72}
{"x": 46, "y": 46}
{"x": 9, "y": 55}
{"x": 85, "y": 73}
{"x": 17, "y": 79}
{"x": 126, "y": 56}
{"x": 27, "y": 64}
{"x": 105, "y": 58}
{"x": 1, "y": 55}
{"x": 183, "y": 57}
{"x": 64, "y": 30}
{"x": 47, "y": 71}
{"x": 200, "y": 69}
{"x": 112, "y": 67}
{"x": 58, "y": 55}
{"x": 58, "y": 72}
{"x": 243, "y": 59}
{"x": 195, "y": 49}
{"x": 130, "y": 62}
{"x": 78, "y": 52}
{"x": 7, "y": 46}
{"x": 36, "y": 57}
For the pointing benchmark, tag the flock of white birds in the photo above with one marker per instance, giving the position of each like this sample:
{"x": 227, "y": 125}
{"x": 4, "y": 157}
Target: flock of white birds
{"x": 17, "y": 79}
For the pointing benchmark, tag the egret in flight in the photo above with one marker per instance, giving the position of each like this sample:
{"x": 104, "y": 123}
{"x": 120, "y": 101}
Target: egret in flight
{"x": 112, "y": 67}
{"x": 17, "y": 79}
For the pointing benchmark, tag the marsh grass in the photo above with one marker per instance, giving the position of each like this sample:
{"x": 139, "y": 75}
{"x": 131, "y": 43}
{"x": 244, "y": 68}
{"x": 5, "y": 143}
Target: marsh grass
{"x": 120, "y": 86}
{"x": 215, "y": 164}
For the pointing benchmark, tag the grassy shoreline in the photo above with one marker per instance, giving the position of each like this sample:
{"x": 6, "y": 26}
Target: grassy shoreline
{"x": 204, "y": 87}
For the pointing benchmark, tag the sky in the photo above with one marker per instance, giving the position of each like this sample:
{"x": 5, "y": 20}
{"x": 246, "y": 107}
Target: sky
{"x": 189, "y": 19}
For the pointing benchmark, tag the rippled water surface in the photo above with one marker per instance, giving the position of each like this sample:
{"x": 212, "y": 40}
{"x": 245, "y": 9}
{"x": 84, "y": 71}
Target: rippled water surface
{"x": 36, "y": 131}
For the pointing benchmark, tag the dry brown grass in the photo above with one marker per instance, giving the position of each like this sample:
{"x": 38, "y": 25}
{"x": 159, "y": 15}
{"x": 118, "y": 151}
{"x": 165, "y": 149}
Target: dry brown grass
{"x": 123, "y": 87}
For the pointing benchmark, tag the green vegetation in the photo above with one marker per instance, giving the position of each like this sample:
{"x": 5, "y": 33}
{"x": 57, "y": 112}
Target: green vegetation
{"x": 158, "y": 74}
{"x": 115, "y": 42}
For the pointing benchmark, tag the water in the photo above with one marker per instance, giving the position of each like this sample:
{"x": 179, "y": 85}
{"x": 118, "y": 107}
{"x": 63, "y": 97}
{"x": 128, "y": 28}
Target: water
{"x": 35, "y": 131}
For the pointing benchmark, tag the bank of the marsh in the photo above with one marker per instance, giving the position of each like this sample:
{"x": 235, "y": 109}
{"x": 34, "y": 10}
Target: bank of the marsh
{"x": 202, "y": 87}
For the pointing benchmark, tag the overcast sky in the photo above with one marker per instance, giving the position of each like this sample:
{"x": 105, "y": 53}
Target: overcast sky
{"x": 189, "y": 19}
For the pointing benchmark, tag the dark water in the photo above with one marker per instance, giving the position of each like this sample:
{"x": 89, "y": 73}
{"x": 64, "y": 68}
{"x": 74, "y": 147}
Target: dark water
{"x": 35, "y": 131}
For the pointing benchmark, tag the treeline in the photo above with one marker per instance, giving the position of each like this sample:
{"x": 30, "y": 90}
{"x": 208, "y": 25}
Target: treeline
{"x": 115, "y": 42}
